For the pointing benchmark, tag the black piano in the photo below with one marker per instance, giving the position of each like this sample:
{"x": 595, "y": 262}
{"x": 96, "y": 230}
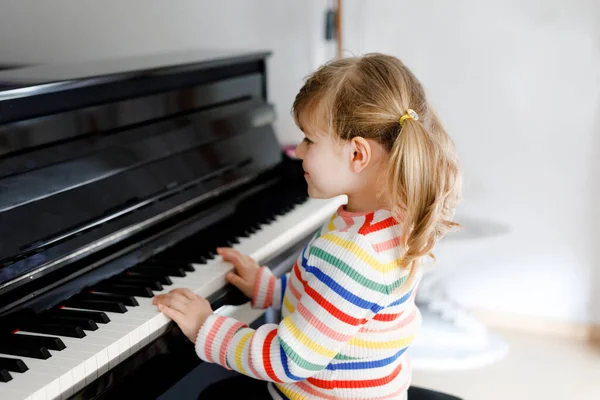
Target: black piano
{"x": 118, "y": 179}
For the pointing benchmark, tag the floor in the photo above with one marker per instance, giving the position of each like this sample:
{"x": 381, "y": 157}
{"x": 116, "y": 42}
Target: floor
{"x": 536, "y": 368}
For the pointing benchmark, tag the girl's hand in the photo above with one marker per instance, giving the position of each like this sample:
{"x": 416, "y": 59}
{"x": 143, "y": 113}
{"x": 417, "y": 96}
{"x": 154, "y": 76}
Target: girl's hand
{"x": 246, "y": 270}
{"x": 186, "y": 308}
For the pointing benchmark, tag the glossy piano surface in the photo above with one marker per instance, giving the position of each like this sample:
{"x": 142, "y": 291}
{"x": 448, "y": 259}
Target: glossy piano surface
{"x": 120, "y": 326}
{"x": 84, "y": 73}
{"x": 63, "y": 176}
{"x": 118, "y": 180}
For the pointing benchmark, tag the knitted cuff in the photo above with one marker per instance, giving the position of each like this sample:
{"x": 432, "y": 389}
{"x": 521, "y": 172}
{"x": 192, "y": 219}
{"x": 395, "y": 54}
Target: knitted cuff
{"x": 264, "y": 288}
{"x": 214, "y": 336}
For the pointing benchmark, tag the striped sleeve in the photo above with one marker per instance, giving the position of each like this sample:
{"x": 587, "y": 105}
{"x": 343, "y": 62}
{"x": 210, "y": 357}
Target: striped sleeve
{"x": 339, "y": 293}
{"x": 268, "y": 289}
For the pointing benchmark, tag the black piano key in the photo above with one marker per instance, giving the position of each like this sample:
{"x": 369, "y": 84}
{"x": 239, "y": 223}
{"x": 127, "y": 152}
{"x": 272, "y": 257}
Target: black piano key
{"x": 166, "y": 271}
{"x": 49, "y": 342}
{"x": 186, "y": 266}
{"x": 85, "y": 323}
{"x": 149, "y": 282}
{"x": 128, "y": 290}
{"x": 99, "y": 305}
{"x": 96, "y": 316}
{"x": 159, "y": 276}
{"x": 24, "y": 350}
{"x": 282, "y": 211}
{"x": 175, "y": 268}
{"x": 13, "y": 364}
{"x": 5, "y": 376}
{"x": 91, "y": 295}
{"x": 269, "y": 219}
{"x": 56, "y": 329}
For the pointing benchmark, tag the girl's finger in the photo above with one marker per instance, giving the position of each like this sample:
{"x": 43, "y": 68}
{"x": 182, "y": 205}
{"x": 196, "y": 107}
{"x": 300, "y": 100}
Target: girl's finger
{"x": 175, "y": 315}
{"x": 234, "y": 279}
{"x": 223, "y": 251}
{"x": 173, "y": 303}
{"x": 179, "y": 296}
{"x": 187, "y": 293}
{"x": 233, "y": 257}
{"x": 249, "y": 261}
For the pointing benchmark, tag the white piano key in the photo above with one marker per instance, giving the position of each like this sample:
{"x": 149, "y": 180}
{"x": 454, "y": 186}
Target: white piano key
{"x": 210, "y": 277}
{"x": 46, "y": 376}
{"x": 92, "y": 355}
{"x": 107, "y": 350}
{"x": 8, "y": 394}
{"x": 303, "y": 219}
{"x": 121, "y": 340}
{"x": 70, "y": 369}
{"x": 135, "y": 322}
{"x": 124, "y": 334}
{"x": 39, "y": 395}
{"x": 130, "y": 332}
{"x": 108, "y": 339}
{"x": 58, "y": 368}
{"x": 87, "y": 358}
{"x": 81, "y": 348}
{"x": 43, "y": 386}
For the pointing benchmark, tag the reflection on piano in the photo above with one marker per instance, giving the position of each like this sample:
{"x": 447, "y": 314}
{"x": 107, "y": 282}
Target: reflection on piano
{"x": 118, "y": 179}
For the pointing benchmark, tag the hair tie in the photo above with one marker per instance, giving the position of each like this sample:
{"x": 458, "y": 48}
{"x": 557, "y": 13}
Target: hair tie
{"x": 410, "y": 114}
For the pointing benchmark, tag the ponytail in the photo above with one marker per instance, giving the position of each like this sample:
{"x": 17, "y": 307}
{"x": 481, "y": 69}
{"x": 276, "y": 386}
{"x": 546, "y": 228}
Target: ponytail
{"x": 368, "y": 97}
{"x": 423, "y": 182}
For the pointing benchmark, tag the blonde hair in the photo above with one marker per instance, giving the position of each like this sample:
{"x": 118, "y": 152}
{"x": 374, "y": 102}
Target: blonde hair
{"x": 366, "y": 97}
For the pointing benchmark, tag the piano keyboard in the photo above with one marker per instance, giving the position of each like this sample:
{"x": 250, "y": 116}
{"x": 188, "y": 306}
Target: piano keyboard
{"x": 90, "y": 335}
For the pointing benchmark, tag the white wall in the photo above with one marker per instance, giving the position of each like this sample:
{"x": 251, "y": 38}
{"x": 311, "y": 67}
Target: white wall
{"x": 518, "y": 85}
{"x": 65, "y": 30}
{"x": 516, "y": 81}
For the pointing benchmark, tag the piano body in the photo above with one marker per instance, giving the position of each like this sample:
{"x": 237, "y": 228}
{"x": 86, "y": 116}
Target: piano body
{"x": 118, "y": 179}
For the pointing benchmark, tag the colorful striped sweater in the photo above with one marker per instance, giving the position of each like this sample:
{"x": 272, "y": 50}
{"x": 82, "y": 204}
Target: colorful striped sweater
{"x": 345, "y": 327}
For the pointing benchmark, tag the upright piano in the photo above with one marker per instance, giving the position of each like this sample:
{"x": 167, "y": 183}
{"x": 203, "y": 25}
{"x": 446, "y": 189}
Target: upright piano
{"x": 118, "y": 180}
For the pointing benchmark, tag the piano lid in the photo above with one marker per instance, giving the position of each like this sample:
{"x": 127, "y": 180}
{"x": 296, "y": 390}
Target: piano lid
{"x": 95, "y": 149}
{"x": 45, "y": 78}
{"x": 38, "y": 90}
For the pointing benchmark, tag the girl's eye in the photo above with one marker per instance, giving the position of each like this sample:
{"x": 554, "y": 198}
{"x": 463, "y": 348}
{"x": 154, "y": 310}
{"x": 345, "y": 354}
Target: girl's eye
{"x": 307, "y": 140}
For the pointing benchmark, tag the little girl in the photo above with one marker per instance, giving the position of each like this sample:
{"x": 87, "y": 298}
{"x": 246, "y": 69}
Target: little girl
{"x": 348, "y": 311}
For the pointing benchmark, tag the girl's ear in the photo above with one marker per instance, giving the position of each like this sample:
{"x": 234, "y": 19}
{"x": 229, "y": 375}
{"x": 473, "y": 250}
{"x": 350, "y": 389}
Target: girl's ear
{"x": 361, "y": 154}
